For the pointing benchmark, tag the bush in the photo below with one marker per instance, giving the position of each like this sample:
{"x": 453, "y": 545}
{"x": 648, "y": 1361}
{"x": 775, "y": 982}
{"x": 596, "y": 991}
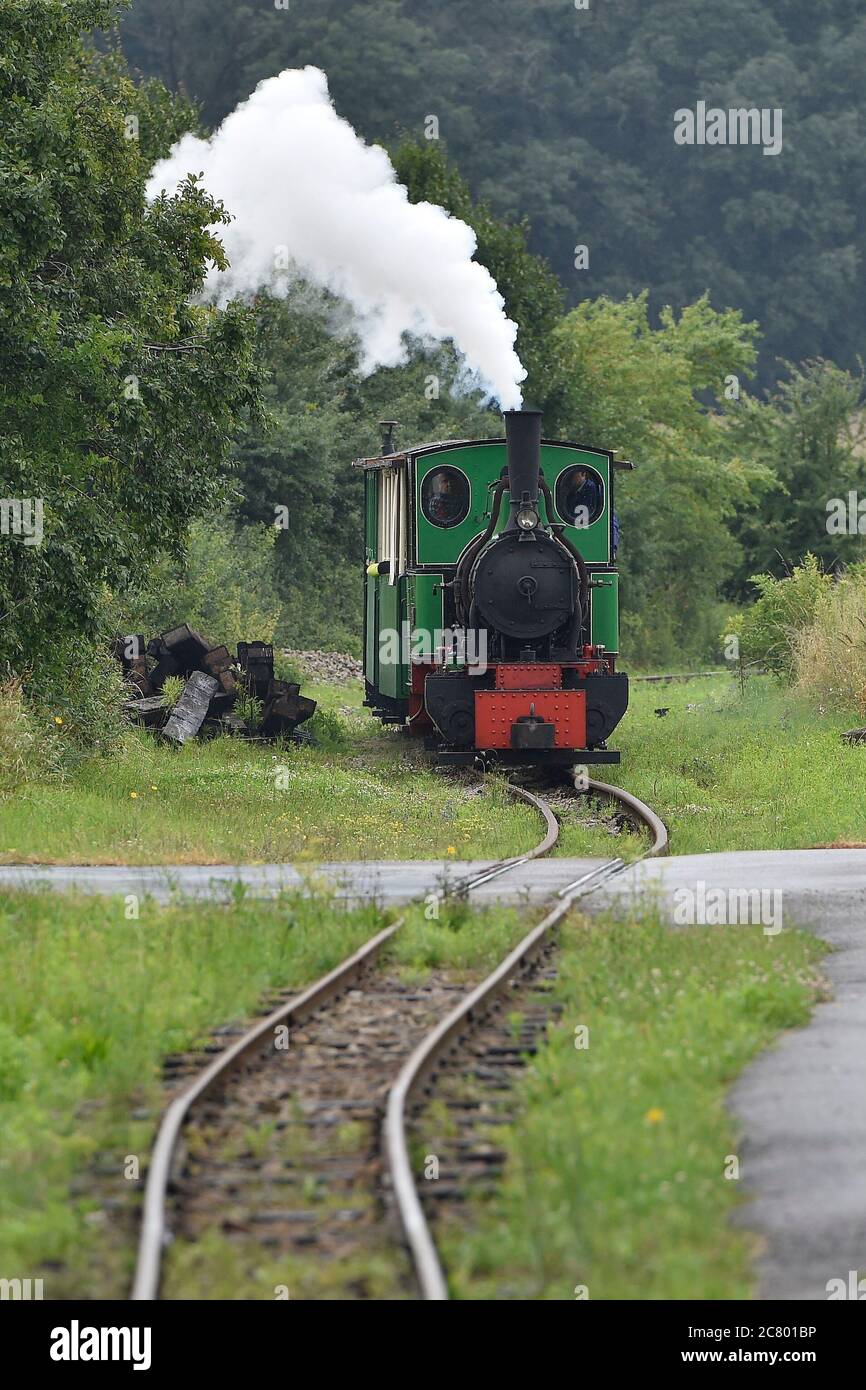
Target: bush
{"x": 79, "y": 692}
{"x": 329, "y": 731}
{"x": 248, "y": 709}
{"x": 770, "y": 630}
{"x": 28, "y": 750}
{"x": 284, "y": 670}
{"x": 326, "y": 616}
{"x": 225, "y": 586}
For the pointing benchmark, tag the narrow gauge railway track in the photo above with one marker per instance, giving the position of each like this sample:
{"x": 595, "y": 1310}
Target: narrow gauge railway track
{"x": 356, "y": 1025}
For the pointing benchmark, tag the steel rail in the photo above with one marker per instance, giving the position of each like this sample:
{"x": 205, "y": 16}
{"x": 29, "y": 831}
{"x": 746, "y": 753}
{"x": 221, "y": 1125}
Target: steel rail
{"x": 154, "y": 1232}
{"x": 543, "y": 847}
{"x": 640, "y": 812}
{"x": 154, "y": 1226}
{"x": 448, "y": 1033}
{"x": 681, "y": 676}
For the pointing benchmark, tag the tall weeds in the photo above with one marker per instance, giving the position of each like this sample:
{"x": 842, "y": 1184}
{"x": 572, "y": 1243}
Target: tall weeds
{"x": 28, "y": 751}
{"x": 829, "y": 653}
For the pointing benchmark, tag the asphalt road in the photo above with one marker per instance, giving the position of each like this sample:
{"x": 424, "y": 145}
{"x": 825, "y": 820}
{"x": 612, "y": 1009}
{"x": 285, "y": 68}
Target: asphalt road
{"x": 801, "y": 1106}
{"x": 388, "y": 882}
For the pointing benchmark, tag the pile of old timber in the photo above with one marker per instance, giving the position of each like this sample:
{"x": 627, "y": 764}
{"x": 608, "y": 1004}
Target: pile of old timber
{"x": 221, "y": 693}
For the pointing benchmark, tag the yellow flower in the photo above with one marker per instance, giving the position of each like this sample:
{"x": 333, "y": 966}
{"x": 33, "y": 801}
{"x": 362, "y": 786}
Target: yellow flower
{"x": 152, "y": 787}
{"x": 134, "y": 795}
{"x": 451, "y": 849}
{"x": 58, "y": 719}
{"x": 654, "y": 1116}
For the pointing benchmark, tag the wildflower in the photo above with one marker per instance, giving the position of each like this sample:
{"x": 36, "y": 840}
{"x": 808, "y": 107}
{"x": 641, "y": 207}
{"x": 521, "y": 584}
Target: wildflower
{"x": 654, "y": 1116}
{"x": 451, "y": 849}
{"x": 58, "y": 719}
{"x": 134, "y": 795}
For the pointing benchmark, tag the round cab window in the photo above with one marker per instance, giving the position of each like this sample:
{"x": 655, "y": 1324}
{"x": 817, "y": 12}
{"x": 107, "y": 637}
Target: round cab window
{"x": 445, "y": 497}
{"x": 580, "y": 496}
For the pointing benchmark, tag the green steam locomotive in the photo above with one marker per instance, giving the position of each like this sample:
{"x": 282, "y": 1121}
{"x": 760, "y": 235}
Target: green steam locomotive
{"x": 491, "y": 599}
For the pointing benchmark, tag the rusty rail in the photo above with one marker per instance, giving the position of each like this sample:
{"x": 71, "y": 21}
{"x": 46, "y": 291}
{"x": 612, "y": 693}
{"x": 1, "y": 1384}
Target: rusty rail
{"x": 448, "y": 1033}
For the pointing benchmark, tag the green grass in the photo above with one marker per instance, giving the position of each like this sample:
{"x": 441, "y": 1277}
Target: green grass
{"x": 92, "y": 1002}
{"x": 221, "y": 802}
{"x": 759, "y": 770}
{"x": 725, "y": 771}
{"x": 362, "y": 794}
{"x": 615, "y": 1172}
{"x": 222, "y": 1269}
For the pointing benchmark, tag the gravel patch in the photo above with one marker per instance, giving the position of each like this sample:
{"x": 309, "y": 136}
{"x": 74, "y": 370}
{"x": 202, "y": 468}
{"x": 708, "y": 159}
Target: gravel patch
{"x": 331, "y": 668}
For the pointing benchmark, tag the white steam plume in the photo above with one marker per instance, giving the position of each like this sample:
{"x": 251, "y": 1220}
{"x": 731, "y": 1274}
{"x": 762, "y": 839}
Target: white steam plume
{"x": 309, "y": 196}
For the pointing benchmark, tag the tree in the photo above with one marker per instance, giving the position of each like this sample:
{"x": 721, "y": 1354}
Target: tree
{"x": 295, "y": 468}
{"x": 809, "y": 435}
{"x": 119, "y": 396}
{"x": 157, "y": 116}
{"x": 626, "y": 386}
{"x": 566, "y": 117}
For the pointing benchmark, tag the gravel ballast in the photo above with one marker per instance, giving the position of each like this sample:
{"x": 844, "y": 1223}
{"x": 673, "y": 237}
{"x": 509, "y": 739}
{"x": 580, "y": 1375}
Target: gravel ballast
{"x": 331, "y": 668}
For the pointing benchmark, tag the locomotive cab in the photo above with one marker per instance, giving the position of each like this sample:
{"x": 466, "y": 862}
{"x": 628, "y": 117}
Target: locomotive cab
{"x": 491, "y": 596}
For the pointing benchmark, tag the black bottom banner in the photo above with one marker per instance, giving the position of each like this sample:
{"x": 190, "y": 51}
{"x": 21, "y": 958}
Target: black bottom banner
{"x": 224, "y": 1339}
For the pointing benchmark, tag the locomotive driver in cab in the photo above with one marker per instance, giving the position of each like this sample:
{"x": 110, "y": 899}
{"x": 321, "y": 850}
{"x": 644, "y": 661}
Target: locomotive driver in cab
{"x": 444, "y": 501}
{"x": 584, "y": 498}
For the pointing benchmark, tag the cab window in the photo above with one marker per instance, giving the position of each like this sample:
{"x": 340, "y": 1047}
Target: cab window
{"x": 445, "y": 496}
{"x": 580, "y": 496}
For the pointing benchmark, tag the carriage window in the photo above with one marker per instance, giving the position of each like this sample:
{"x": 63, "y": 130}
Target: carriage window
{"x": 445, "y": 496}
{"x": 580, "y": 496}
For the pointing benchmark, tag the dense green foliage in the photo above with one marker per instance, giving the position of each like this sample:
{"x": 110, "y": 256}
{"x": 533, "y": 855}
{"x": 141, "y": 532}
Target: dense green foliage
{"x": 127, "y": 406}
{"x": 784, "y": 607}
{"x": 225, "y": 584}
{"x": 322, "y": 415}
{"x": 635, "y": 389}
{"x": 809, "y": 435}
{"x": 566, "y": 117}
{"x": 809, "y": 628}
{"x": 118, "y": 396}
{"x": 27, "y": 753}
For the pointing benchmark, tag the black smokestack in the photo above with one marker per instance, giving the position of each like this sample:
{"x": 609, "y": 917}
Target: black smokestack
{"x": 523, "y": 443}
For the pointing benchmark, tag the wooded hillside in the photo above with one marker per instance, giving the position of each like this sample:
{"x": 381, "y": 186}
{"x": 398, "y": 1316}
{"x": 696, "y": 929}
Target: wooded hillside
{"x": 566, "y": 117}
